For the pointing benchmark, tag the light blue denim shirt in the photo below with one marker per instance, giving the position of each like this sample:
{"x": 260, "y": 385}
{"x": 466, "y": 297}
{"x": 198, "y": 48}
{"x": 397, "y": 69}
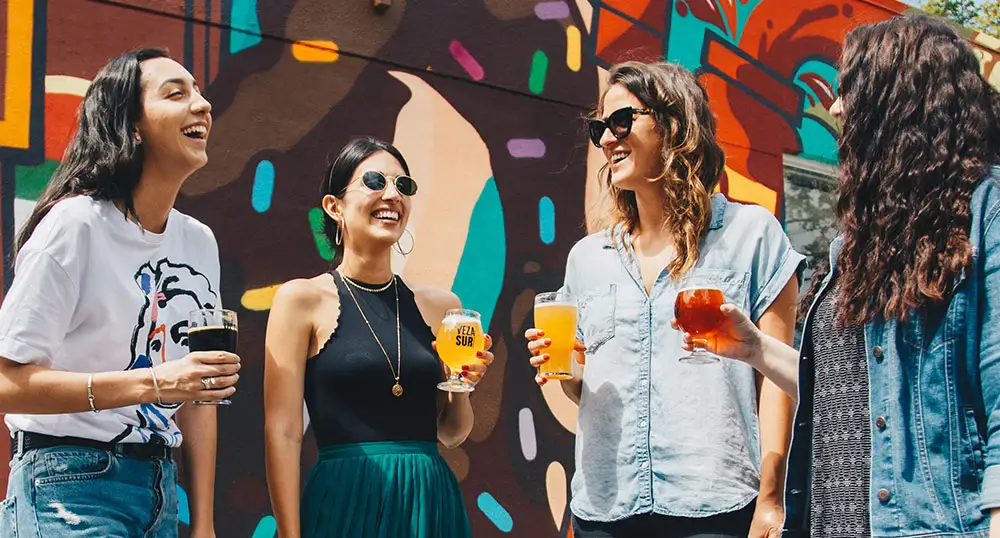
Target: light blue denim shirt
{"x": 654, "y": 434}
{"x": 935, "y": 403}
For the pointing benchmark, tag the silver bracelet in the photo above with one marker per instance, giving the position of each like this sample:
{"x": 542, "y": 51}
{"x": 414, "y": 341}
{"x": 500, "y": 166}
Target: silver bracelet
{"x": 90, "y": 392}
{"x": 156, "y": 386}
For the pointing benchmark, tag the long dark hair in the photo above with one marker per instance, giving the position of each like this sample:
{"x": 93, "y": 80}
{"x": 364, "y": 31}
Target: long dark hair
{"x": 340, "y": 171}
{"x": 693, "y": 161}
{"x": 102, "y": 159}
{"x": 921, "y": 127}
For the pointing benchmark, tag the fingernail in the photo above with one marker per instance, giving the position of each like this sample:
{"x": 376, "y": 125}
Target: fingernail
{"x": 465, "y": 368}
{"x": 479, "y": 354}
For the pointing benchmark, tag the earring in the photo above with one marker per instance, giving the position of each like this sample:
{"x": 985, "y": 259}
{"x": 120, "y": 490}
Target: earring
{"x": 399, "y": 249}
{"x": 338, "y": 237}
{"x": 137, "y": 139}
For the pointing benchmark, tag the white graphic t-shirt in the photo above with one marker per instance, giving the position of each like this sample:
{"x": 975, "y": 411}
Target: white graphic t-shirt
{"x": 93, "y": 292}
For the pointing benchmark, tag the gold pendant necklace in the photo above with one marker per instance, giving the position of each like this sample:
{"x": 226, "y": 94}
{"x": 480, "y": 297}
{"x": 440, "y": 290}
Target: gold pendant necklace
{"x": 397, "y": 389}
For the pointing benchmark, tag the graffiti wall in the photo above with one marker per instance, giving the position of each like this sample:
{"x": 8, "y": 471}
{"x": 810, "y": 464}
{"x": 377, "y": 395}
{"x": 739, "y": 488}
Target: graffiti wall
{"x": 485, "y": 100}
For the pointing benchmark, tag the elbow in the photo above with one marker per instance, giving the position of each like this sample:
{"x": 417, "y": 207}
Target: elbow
{"x": 453, "y": 440}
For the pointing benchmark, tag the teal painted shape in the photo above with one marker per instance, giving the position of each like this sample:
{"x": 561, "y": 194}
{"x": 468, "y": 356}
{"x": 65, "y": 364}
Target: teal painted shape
{"x": 245, "y": 31}
{"x": 496, "y": 513}
{"x": 183, "y": 512}
{"x": 546, "y": 220}
{"x": 818, "y": 144}
{"x": 480, "y": 271}
{"x": 263, "y": 186}
{"x": 266, "y": 528}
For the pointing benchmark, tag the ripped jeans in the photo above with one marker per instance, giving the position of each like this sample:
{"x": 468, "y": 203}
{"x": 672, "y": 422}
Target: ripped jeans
{"x": 87, "y": 492}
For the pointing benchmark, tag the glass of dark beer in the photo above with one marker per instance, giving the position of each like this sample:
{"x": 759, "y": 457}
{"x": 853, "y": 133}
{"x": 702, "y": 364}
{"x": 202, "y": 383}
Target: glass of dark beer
{"x": 697, "y": 312}
{"x": 212, "y": 330}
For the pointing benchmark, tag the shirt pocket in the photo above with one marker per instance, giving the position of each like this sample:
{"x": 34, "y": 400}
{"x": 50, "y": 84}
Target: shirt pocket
{"x": 733, "y": 284}
{"x": 597, "y": 316}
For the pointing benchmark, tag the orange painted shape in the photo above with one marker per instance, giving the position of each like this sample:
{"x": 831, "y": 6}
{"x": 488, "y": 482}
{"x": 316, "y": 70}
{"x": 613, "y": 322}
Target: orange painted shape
{"x": 60, "y": 123}
{"x": 316, "y": 51}
{"x": 743, "y": 189}
{"x": 737, "y": 68}
{"x": 610, "y": 28}
{"x": 15, "y": 126}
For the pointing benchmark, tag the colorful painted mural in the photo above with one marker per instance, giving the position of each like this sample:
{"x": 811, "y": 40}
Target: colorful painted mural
{"x": 485, "y": 99}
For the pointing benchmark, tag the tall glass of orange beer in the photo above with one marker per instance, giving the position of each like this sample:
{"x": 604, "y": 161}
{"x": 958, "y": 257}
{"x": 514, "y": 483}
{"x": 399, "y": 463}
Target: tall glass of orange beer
{"x": 555, "y": 314}
{"x": 458, "y": 339}
{"x": 697, "y": 312}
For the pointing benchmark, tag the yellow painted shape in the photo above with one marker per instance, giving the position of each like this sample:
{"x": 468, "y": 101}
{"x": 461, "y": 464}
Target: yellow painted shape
{"x": 747, "y": 190}
{"x": 259, "y": 299}
{"x": 67, "y": 85}
{"x": 573, "y": 48}
{"x": 316, "y": 51}
{"x": 555, "y": 487}
{"x": 14, "y": 128}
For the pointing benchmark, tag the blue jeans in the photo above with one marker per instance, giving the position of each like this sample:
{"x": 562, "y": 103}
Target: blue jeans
{"x": 87, "y": 492}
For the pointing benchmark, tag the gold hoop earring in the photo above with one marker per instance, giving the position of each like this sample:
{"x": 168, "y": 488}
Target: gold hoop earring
{"x": 399, "y": 249}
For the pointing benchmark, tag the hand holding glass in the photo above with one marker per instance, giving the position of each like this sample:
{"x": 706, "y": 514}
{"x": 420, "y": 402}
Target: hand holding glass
{"x": 212, "y": 330}
{"x": 698, "y": 312}
{"x": 555, "y": 315}
{"x": 459, "y": 338}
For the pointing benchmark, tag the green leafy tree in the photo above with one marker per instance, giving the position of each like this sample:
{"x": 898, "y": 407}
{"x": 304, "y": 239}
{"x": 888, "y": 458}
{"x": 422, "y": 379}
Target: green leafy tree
{"x": 983, "y": 15}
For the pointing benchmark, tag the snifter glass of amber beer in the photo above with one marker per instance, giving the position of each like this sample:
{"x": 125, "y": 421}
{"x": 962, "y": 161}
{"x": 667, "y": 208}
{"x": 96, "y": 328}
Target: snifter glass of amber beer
{"x": 697, "y": 312}
{"x": 555, "y": 315}
{"x": 459, "y": 338}
{"x": 212, "y": 330}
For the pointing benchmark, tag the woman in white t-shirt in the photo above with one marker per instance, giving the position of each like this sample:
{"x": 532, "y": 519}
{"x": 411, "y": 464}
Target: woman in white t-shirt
{"x": 93, "y": 331}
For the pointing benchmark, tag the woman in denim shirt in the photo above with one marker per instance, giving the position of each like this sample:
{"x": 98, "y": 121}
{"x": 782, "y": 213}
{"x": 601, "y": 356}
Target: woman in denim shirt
{"x": 666, "y": 448}
{"x": 899, "y": 373}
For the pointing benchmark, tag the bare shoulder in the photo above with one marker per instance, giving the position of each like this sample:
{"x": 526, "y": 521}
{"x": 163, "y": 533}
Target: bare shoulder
{"x": 304, "y": 293}
{"x": 433, "y": 303}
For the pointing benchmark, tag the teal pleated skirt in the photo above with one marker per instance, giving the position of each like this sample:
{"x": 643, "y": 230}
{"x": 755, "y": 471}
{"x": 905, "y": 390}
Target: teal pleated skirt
{"x": 396, "y": 489}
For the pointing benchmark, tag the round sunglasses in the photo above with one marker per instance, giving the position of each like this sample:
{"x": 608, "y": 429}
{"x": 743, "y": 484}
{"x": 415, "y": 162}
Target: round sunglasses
{"x": 376, "y": 182}
{"x": 619, "y": 123}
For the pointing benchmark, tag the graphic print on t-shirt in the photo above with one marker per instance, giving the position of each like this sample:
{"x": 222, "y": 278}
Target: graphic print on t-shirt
{"x": 172, "y": 291}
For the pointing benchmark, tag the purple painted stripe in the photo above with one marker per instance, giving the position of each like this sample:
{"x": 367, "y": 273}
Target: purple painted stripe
{"x": 465, "y": 59}
{"x": 552, "y": 10}
{"x": 526, "y": 148}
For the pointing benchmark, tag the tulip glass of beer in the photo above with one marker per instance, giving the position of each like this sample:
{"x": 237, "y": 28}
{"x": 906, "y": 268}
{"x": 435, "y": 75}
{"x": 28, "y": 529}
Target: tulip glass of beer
{"x": 555, "y": 315}
{"x": 697, "y": 312}
{"x": 458, "y": 340}
{"x": 212, "y": 330}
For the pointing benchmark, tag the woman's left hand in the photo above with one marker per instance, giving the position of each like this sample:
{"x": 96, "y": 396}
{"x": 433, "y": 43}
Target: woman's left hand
{"x": 474, "y": 374}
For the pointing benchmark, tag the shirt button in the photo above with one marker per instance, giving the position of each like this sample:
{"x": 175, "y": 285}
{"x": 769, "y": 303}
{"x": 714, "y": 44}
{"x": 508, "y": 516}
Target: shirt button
{"x": 644, "y": 465}
{"x": 880, "y": 423}
{"x": 642, "y": 423}
{"x": 884, "y": 495}
{"x": 877, "y": 351}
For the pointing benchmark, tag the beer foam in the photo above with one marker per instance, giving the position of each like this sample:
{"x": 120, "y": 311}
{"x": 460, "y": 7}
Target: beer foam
{"x": 554, "y": 304}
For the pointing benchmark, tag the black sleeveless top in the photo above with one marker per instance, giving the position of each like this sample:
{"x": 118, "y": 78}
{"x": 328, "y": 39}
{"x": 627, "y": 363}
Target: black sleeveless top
{"x": 348, "y": 384}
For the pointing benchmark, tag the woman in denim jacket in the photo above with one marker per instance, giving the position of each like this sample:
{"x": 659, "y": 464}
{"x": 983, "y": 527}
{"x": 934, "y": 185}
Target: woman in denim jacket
{"x": 899, "y": 374}
{"x": 667, "y": 448}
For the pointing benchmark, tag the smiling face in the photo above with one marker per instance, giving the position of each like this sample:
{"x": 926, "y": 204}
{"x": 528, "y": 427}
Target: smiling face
{"x": 636, "y": 158}
{"x": 176, "y": 119}
{"x": 371, "y": 216}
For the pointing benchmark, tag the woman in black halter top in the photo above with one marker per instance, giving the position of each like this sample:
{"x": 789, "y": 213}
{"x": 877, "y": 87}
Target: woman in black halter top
{"x": 356, "y": 345}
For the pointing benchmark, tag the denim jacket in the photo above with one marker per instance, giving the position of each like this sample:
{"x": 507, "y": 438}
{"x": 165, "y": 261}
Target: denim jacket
{"x": 935, "y": 404}
{"x": 654, "y": 434}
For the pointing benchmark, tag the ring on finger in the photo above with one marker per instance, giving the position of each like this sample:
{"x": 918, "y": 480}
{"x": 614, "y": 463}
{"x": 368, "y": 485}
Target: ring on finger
{"x": 208, "y": 382}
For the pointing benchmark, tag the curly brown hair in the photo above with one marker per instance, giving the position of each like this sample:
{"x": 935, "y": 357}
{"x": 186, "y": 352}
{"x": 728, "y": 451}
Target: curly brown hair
{"x": 921, "y": 127}
{"x": 693, "y": 160}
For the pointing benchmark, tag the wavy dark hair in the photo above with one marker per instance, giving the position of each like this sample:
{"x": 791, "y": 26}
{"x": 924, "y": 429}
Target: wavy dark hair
{"x": 921, "y": 127}
{"x": 693, "y": 160}
{"x": 341, "y": 169}
{"x": 102, "y": 159}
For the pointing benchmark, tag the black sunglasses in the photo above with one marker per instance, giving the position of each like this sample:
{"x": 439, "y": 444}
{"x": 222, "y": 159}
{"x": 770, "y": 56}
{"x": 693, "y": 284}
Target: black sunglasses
{"x": 619, "y": 122}
{"x": 376, "y": 181}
